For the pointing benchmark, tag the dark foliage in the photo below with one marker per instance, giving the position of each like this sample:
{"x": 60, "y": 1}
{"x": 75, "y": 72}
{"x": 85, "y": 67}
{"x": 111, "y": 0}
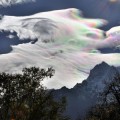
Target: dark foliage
{"x": 23, "y": 97}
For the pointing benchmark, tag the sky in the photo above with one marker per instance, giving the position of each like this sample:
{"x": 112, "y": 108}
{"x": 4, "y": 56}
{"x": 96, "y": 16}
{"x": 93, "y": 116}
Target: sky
{"x": 71, "y": 36}
{"x": 105, "y": 9}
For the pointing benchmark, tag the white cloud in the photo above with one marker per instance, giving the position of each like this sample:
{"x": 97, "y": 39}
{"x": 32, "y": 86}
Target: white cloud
{"x": 66, "y": 41}
{"x": 6, "y": 3}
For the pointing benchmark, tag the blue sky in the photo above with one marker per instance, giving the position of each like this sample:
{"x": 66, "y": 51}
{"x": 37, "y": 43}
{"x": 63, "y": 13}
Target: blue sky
{"x": 90, "y": 8}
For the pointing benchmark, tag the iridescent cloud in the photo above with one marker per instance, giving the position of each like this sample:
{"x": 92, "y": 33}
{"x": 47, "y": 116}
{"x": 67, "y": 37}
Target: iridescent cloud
{"x": 63, "y": 39}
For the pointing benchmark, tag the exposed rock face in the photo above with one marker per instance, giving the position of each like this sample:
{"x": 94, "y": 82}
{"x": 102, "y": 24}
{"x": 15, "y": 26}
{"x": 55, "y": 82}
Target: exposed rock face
{"x": 82, "y": 96}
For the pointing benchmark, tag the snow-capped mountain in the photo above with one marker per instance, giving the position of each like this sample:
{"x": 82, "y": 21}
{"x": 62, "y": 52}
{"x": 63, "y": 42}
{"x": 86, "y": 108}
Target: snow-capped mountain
{"x": 82, "y": 96}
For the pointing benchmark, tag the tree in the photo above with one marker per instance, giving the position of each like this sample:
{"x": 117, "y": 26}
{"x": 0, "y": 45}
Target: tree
{"x": 112, "y": 91}
{"x": 23, "y": 97}
{"x": 108, "y": 107}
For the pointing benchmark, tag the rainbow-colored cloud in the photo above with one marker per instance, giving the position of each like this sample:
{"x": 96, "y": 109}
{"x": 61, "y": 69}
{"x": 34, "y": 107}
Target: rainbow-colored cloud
{"x": 63, "y": 39}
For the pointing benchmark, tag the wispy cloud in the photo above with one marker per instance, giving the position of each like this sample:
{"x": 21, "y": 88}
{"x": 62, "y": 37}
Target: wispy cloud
{"x": 63, "y": 39}
{"x": 5, "y": 3}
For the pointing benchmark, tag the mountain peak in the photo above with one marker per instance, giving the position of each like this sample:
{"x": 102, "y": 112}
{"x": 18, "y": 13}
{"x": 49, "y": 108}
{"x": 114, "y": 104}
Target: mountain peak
{"x": 104, "y": 63}
{"x": 99, "y": 70}
{"x": 89, "y": 88}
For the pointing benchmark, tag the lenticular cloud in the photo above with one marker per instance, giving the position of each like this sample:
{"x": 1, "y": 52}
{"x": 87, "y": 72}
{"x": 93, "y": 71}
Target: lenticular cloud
{"x": 63, "y": 39}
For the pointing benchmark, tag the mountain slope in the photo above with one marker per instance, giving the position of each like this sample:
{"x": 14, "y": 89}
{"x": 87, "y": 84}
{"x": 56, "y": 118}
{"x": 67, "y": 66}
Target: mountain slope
{"x": 82, "y": 96}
